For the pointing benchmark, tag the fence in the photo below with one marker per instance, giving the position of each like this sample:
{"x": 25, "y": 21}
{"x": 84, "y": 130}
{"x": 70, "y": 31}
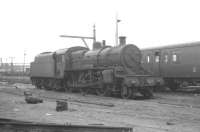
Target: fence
{"x": 15, "y": 68}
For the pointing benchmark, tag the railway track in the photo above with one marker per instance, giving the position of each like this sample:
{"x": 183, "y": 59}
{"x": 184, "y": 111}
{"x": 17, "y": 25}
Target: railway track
{"x": 100, "y": 104}
{"x": 16, "y": 126}
{"x": 96, "y": 100}
{"x": 20, "y": 92}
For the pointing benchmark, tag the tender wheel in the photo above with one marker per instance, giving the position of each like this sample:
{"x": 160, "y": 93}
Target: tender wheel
{"x": 126, "y": 92}
{"x": 70, "y": 89}
{"x": 47, "y": 85}
{"x": 38, "y": 84}
{"x": 103, "y": 91}
{"x": 65, "y": 87}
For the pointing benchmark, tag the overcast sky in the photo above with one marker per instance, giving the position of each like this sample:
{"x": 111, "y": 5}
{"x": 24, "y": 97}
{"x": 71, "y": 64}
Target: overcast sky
{"x": 34, "y": 26}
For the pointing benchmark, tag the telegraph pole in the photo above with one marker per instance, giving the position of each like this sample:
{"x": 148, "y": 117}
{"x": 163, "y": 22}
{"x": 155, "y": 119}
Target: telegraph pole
{"x": 24, "y": 62}
{"x": 94, "y": 33}
{"x": 11, "y": 64}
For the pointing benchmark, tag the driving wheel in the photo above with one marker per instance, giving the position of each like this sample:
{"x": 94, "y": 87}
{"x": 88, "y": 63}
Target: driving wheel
{"x": 103, "y": 91}
{"x": 126, "y": 92}
{"x": 84, "y": 90}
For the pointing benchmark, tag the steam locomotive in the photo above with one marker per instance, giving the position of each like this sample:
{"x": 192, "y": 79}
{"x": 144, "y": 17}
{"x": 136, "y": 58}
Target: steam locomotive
{"x": 104, "y": 70}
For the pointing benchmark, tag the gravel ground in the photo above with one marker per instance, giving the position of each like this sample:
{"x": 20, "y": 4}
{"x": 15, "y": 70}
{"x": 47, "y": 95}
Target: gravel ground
{"x": 176, "y": 112}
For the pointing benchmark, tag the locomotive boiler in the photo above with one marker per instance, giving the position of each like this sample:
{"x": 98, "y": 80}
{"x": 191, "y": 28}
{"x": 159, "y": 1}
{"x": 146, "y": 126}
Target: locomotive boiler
{"x": 104, "y": 70}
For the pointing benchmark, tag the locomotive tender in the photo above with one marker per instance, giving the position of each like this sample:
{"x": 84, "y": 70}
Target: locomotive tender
{"x": 105, "y": 70}
{"x": 178, "y": 65}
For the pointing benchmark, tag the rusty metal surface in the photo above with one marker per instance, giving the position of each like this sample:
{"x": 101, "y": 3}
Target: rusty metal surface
{"x": 7, "y": 125}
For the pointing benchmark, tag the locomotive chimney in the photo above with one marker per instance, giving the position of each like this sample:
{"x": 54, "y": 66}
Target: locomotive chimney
{"x": 104, "y": 43}
{"x": 122, "y": 40}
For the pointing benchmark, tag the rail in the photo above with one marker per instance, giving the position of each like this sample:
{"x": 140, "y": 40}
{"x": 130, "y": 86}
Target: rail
{"x": 9, "y": 125}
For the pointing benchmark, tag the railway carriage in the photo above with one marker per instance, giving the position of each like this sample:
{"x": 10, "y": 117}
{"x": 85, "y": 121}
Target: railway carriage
{"x": 179, "y": 64}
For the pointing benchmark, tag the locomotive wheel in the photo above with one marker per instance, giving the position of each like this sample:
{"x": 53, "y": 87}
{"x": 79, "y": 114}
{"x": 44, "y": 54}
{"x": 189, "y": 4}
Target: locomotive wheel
{"x": 84, "y": 91}
{"x": 38, "y": 84}
{"x": 172, "y": 84}
{"x": 69, "y": 88}
{"x": 47, "y": 85}
{"x": 103, "y": 91}
{"x": 58, "y": 86}
{"x": 173, "y": 88}
{"x": 65, "y": 87}
{"x": 126, "y": 92}
{"x": 147, "y": 93}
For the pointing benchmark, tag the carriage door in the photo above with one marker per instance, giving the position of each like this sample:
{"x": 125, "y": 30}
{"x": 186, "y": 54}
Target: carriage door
{"x": 156, "y": 63}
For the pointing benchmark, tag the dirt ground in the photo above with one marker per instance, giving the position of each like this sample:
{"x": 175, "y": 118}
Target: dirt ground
{"x": 176, "y": 112}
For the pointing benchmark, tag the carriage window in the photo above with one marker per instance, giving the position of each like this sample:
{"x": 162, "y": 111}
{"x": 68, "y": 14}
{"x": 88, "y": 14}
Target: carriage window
{"x": 174, "y": 58}
{"x": 157, "y": 58}
{"x": 166, "y": 58}
{"x": 148, "y": 59}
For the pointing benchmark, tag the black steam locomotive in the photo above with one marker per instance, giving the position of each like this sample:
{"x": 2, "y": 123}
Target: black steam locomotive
{"x": 104, "y": 70}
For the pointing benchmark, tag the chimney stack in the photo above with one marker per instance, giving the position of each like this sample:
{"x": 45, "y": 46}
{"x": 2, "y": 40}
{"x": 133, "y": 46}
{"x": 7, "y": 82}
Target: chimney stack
{"x": 122, "y": 40}
{"x": 104, "y": 43}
